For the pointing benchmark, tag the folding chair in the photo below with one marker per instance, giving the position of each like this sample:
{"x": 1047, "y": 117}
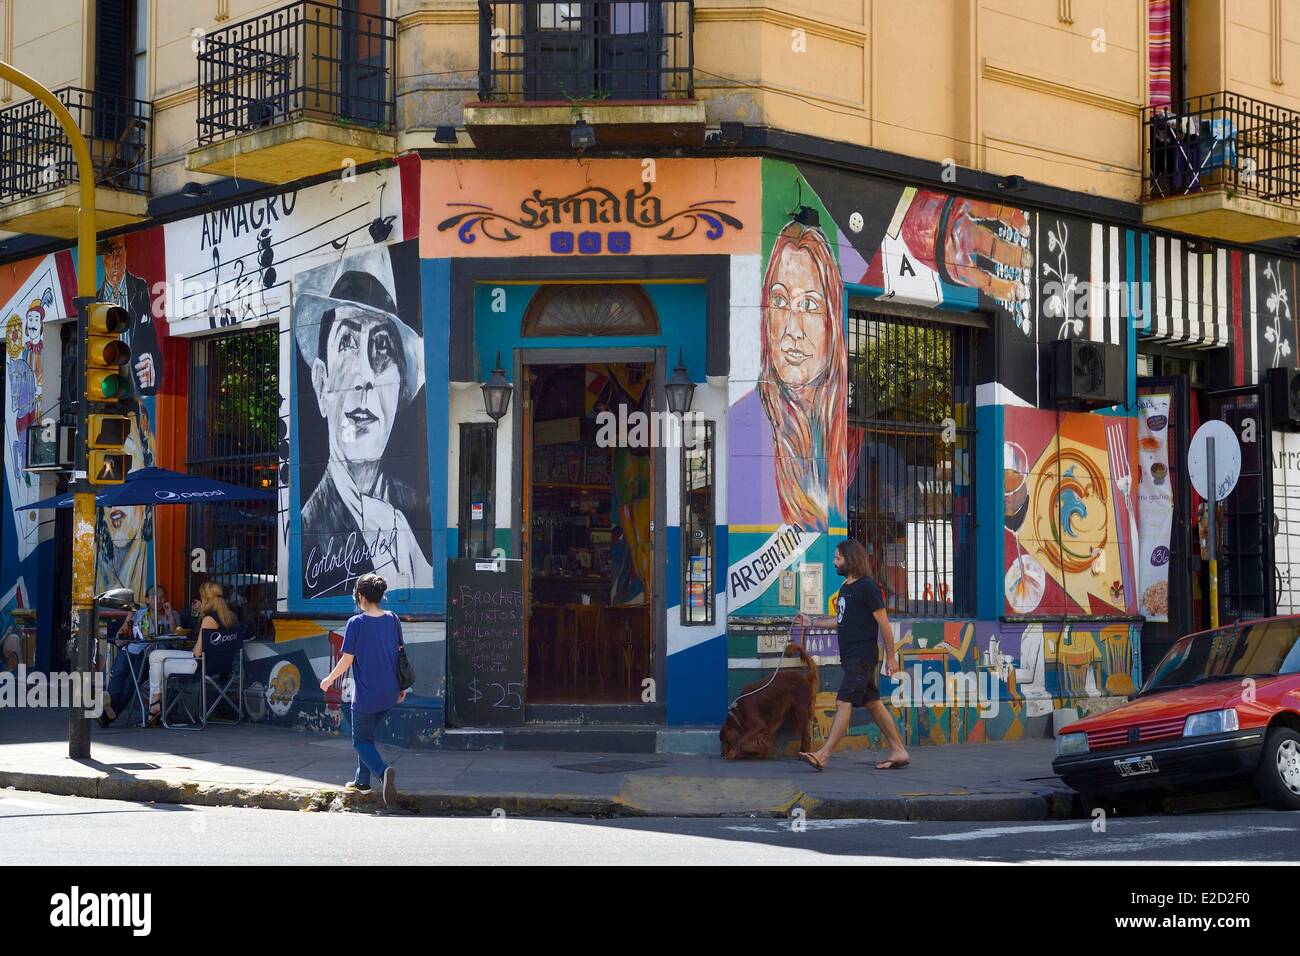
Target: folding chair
{"x": 221, "y": 666}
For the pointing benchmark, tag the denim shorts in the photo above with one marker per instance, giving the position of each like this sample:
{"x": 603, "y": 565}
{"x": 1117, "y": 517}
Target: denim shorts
{"x": 858, "y": 685}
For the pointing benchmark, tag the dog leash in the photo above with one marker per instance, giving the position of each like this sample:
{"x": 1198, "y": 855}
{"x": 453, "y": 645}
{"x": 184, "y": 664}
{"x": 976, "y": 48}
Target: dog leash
{"x": 775, "y": 670}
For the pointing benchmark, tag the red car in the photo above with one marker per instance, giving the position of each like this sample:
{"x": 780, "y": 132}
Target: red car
{"x": 1222, "y": 704}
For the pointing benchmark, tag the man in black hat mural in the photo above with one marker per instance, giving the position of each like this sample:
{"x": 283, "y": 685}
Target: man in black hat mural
{"x": 367, "y": 366}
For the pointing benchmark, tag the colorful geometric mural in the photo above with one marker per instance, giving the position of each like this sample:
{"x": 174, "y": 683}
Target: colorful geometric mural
{"x": 1070, "y": 514}
{"x": 282, "y": 681}
{"x": 976, "y": 681}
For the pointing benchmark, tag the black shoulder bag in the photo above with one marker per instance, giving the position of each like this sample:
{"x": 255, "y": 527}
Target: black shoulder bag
{"x": 405, "y": 672}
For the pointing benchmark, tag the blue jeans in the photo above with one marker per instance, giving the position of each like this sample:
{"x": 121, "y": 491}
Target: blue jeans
{"x": 363, "y": 741}
{"x": 121, "y": 688}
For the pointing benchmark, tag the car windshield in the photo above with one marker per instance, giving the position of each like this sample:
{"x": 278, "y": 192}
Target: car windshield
{"x": 1230, "y": 653}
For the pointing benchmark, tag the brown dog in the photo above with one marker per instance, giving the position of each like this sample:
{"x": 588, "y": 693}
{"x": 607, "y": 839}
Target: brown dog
{"x": 754, "y": 719}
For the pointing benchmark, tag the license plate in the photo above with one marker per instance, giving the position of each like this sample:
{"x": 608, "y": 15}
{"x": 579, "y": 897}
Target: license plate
{"x": 1136, "y": 766}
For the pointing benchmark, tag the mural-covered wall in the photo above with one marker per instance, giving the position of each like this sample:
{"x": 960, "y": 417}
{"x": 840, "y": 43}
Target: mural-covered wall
{"x": 356, "y": 277}
{"x": 37, "y": 296}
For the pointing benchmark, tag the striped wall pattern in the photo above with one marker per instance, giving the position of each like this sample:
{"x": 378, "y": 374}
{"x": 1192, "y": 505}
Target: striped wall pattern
{"x": 1173, "y": 291}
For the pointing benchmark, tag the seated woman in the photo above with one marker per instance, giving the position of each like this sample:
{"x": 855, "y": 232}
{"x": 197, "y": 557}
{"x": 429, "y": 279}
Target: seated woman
{"x": 214, "y": 615}
{"x": 166, "y": 621}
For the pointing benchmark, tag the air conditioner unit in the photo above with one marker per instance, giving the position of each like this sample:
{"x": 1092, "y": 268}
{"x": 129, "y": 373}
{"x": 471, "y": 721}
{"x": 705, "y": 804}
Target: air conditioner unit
{"x": 1284, "y": 385}
{"x": 1088, "y": 374}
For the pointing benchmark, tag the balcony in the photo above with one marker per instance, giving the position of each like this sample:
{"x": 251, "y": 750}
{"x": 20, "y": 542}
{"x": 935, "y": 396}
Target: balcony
{"x": 624, "y": 67}
{"x": 299, "y": 91}
{"x": 40, "y": 190}
{"x": 1223, "y": 166}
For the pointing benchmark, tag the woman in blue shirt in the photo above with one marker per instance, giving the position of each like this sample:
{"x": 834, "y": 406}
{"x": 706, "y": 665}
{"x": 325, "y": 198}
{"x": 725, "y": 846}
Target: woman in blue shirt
{"x": 370, "y": 645}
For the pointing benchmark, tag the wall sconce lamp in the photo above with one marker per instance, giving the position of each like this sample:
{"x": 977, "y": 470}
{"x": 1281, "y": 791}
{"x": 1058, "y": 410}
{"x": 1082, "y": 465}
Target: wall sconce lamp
{"x": 680, "y": 388}
{"x": 497, "y": 391}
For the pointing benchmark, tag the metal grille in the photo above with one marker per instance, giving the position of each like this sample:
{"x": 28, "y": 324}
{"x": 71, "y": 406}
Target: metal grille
{"x": 597, "y": 49}
{"x": 1222, "y": 141}
{"x": 325, "y": 61}
{"x": 698, "y": 509}
{"x": 912, "y": 459}
{"x": 36, "y": 157}
{"x": 234, "y": 402}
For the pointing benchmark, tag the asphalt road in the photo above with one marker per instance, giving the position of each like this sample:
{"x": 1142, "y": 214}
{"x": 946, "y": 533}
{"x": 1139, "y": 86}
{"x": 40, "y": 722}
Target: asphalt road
{"x": 75, "y": 831}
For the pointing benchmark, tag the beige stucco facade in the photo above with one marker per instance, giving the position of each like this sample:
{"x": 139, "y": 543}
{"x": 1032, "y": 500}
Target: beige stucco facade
{"x": 1051, "y": 90}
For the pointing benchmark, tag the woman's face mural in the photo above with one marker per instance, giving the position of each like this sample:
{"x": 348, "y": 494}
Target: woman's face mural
{"x": 125, "y": 522}
{"x": 796, "y": 319}
{"x": 804, "y": 378}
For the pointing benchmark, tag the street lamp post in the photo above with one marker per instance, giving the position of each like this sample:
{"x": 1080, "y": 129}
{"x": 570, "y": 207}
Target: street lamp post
{"x": 83, "y": 515}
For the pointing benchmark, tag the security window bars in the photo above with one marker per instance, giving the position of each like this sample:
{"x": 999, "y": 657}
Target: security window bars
{"x": 911, "y": 459}
{"x": 233, "y": 436}
{"x": 698, "y": 508}
{"x": 542, "y": 50}
{"x": 323, "y": 61}
{"x": 36, "y": 157}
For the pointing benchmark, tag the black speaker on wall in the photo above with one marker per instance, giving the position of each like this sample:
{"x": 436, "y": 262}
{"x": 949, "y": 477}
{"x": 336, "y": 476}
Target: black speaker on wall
{"x": 1088, "y": 374}
{"x": 1284, "y": 386}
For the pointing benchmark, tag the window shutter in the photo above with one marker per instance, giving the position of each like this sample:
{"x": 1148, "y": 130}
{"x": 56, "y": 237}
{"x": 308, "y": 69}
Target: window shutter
{"x": 113, "y": 67}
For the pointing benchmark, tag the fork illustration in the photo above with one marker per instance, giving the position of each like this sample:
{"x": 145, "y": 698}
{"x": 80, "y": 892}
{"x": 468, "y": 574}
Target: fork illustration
{"x": 1117, "y": 448}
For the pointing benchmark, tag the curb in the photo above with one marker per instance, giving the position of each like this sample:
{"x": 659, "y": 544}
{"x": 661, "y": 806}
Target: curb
{"x": 975, "y": 808}
{"x": 1029, "y": 806}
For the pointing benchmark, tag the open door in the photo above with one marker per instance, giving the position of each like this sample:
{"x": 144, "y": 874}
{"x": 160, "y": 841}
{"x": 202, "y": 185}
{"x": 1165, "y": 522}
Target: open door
{"x": 587, "y": 533}
{"x": 580, "y": 50}
{"x": 1246, "y": 582}
{"x": 363, "y": 63}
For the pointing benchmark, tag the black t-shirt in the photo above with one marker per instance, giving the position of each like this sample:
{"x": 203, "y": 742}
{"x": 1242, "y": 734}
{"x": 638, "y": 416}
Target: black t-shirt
{"x": 857, "y": 629}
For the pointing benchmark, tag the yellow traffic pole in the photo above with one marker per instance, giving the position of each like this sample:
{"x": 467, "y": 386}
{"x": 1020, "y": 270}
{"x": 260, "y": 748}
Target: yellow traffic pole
{"x": 83, "y": 522}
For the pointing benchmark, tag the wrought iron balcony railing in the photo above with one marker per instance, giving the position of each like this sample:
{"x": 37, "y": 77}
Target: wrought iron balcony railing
{"x": 307, "y": 60}
{"x": 1222, "y": 141}
{"x": 36, "y": 157}
{"x": 541, "y": 50}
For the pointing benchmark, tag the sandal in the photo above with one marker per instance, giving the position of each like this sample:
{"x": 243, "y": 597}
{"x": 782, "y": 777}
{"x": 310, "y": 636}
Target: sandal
{"x": 812, "y": 761}
{"x": 155, "y": 716}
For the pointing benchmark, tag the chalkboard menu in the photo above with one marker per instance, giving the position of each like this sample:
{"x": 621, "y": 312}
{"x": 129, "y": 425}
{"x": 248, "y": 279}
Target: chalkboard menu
{"x": 485, "y": 642}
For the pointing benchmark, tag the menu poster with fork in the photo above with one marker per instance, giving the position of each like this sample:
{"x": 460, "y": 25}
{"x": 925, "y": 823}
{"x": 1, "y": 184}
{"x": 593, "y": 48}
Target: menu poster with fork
{"x": 1155, "y": 507}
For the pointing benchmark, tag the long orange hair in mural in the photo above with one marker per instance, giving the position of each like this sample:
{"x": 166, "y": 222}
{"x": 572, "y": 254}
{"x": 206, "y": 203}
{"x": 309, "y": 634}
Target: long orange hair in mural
{"x": 804, "y": 376}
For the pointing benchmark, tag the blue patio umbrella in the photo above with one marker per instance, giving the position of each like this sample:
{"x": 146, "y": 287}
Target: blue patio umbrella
{"x": 159, "y": 486}
{"x": 58, "y": 501}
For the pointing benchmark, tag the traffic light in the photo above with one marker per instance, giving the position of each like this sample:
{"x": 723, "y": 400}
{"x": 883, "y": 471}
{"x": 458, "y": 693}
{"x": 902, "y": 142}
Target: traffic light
{"x": 106, "y": 437}
{"x": 106, "y": 353}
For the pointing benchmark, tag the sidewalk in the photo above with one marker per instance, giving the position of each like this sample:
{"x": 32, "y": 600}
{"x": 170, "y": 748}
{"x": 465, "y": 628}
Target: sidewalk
{"x": 259, "y": 766}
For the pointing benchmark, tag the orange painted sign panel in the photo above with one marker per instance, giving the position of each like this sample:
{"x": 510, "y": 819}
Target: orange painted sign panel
{"x": 563, "y": 207}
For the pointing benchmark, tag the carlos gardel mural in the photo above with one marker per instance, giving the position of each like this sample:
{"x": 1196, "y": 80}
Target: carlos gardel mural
{"x": 365, "y": 502}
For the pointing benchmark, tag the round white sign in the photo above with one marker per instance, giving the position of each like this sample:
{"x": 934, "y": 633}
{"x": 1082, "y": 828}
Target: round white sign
{"x": 1227, "y": 460}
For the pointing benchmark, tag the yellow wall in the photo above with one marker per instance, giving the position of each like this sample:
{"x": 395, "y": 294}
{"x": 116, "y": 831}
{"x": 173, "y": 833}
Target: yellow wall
{"x": 43, "y": 39}
{"x": 1251, "y": 47}
{"x": 1048, "y": 89}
